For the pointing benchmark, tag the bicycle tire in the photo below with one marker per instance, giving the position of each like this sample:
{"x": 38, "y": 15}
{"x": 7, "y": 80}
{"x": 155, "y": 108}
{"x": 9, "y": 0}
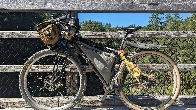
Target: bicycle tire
{"x": 142, "y": 99}
{"x": 32, "y": 99}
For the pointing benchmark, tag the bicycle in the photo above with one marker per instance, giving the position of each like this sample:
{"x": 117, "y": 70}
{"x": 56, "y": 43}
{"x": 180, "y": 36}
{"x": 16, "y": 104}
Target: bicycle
{"x": 145, "y": 76}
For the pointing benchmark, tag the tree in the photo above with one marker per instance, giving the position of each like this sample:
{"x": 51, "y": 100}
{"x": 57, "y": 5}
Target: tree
{"x": 155, "y": 22}
{"x": 173, "y": 22}
{"x": 108, "y": 27}
{"x": 92, "y": 26}
{"x": 191, "y": 22}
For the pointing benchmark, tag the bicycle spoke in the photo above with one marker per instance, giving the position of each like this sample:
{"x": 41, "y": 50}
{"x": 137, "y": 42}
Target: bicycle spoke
{"x": 157, "y": 78}
{"x": 51, "y": 88}
{"x": 55, "y": 63}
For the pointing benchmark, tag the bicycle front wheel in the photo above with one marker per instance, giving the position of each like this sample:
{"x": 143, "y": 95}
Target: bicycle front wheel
{"x": 159, "y": 85}
{"x": 52, "y": 81}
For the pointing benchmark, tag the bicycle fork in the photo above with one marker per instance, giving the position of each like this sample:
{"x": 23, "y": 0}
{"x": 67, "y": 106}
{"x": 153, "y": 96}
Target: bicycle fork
{"x": 134, "y": 70}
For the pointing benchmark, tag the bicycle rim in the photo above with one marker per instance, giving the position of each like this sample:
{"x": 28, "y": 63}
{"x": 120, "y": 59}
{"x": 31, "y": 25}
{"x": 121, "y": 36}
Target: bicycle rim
{"x": 159, "y": 93}
{"x": 45, "y": 89}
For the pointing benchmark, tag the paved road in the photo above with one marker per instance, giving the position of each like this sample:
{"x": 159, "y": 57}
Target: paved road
{"x": 186, "y": 107}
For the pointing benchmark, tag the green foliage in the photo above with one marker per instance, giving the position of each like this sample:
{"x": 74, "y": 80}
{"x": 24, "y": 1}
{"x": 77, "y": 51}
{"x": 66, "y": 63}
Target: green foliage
{"x": 92, "y": 26}
{"x": 173, "y": 22}
{"x": 23, "y": 21}
{"x": 170, "y": 22}
{"x": 191, "y": 22}
{"x": 155, "y": 22}
{"x": 107, "y": 27}
{"x": 99, "y": 27}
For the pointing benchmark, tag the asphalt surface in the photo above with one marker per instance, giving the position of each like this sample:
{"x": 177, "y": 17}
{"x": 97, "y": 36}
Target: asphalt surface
{"x": 185, "y": 107}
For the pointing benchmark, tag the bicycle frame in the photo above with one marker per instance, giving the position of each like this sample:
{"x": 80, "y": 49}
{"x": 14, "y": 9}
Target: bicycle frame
{"x": 109, "y": 76}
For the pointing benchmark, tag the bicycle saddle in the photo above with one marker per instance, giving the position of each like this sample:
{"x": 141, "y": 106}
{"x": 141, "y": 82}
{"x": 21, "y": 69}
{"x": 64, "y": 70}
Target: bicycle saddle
{"x": 131, "y": 29}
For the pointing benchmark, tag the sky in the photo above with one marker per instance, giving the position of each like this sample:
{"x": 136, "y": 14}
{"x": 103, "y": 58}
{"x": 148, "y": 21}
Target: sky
{"x": 121, "y": 19}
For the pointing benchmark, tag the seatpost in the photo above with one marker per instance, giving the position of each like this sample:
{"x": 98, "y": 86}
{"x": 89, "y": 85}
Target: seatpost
{"x": 73, "y": 18}
{"x": 124, "y": 39}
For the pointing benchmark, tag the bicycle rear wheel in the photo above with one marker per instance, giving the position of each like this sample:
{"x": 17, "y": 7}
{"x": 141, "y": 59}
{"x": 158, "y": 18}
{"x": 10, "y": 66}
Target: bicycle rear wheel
{"x": 160, "y": 89}
{"x": 52, "y": 81}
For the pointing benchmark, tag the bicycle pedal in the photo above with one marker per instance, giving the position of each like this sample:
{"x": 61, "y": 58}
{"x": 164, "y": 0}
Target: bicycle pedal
{"x": 143, "y": 86}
